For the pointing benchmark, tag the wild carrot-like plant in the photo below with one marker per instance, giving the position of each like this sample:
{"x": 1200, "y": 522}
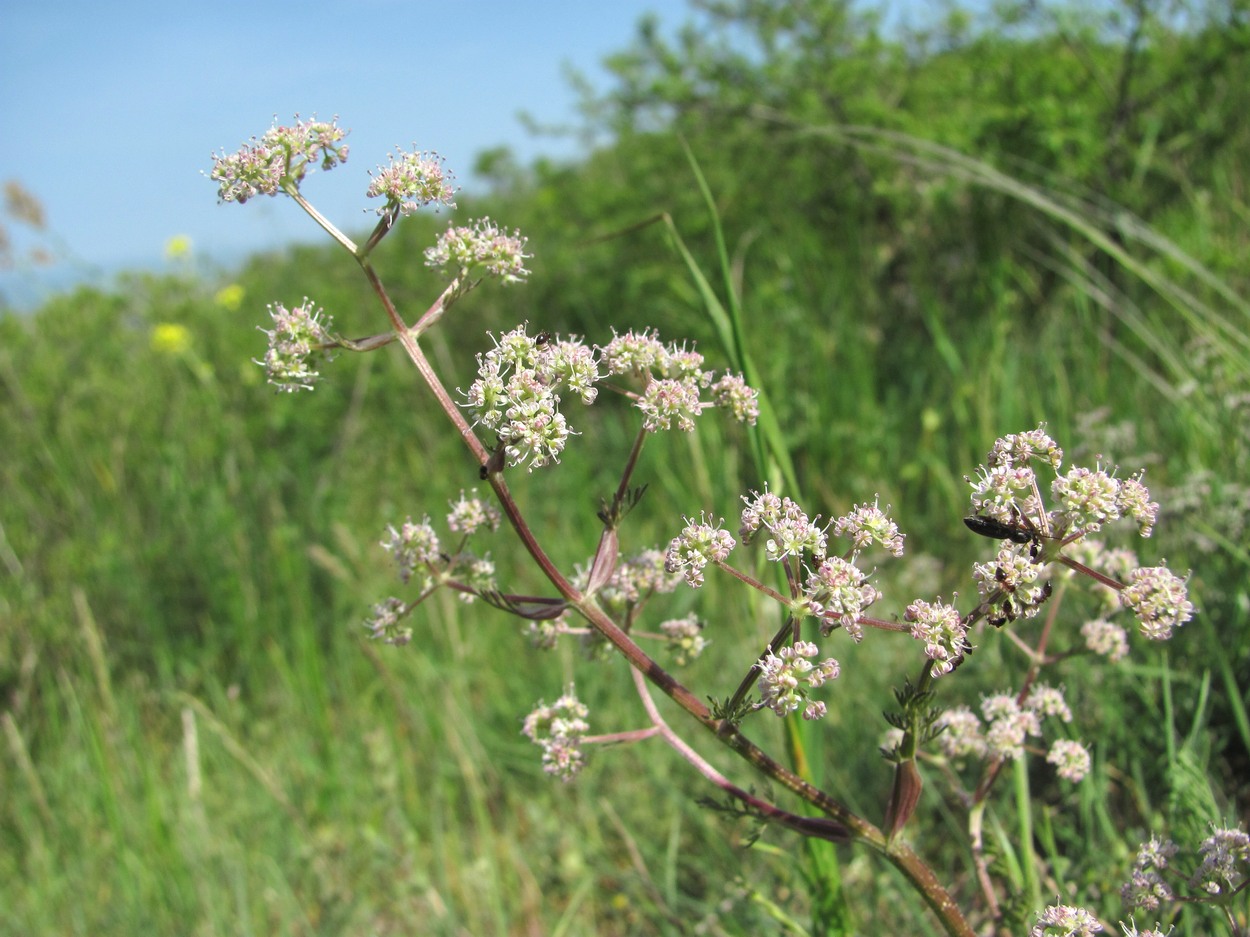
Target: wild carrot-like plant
{"x": 517, "y": 417}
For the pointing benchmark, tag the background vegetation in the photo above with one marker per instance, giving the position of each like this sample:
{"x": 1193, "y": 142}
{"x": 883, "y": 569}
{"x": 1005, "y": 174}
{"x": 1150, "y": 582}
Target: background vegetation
{"x": 938, "y": 237}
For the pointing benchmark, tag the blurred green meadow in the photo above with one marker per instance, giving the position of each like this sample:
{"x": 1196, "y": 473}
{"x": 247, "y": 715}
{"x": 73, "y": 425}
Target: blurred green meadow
{"x": 935, "y": 240}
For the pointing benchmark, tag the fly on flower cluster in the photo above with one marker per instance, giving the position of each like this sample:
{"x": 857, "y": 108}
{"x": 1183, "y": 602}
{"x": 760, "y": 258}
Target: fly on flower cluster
{"x": 999, "y": 530}
{"x": 1022, "y": 531}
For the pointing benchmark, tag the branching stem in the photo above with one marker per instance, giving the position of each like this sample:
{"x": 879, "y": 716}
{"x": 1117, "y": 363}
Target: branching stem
{"x": 845, "y": 823}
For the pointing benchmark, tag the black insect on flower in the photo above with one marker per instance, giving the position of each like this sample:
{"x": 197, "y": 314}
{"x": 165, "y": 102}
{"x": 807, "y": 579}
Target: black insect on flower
{"x": 999, "y": 530}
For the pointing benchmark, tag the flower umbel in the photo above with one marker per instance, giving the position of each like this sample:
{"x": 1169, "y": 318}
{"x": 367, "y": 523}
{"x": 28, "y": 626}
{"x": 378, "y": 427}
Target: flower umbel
{"x": 943, "y": 631}
{"x": 961, "y": 736}
{"x": 1146, "y": 889}
{"x": 284, "y": 155}
{"x": 1105, "y": 638}
{"x": 479, "y": 577}
{"x": 412, "y": 180}
{"x": 697, "y": 545}
{"x": 309, "y": 142}
{"x": 1134, "y": 502}
{"x": 868, "y": 524}
{"x": 559, "y": 729}
{"x": 732, "y": 393}
{"x": 1060, "y": 920}
{"x": 1224, "y": 871}
{"x": 1130, "y": 930}
{"x": 837, "y": 593}
{"x": 479, "y": 249}
{"x": 684, "y": 640}
{"x": 298, "y": 339}
{"x": 411, "y": 546}
{"x": 674, "y": 381}
{"x": 788, "y": 677}
{"x": 1048, "y": 701}
{"x": 633, "y": 353}
{"x": 1159, "y": 599}
{"x": 1225, "y": 861}
{"x": 1005, "y": 493}
{"x": 385, "y": 624}
{"x": 1009, "y": 726}
{"x": 1070, "y": 758}
{"x": 1021, "y": 447}
{"x": 517, "y": 393}
{"x": 791, "y": 533}
{"x": 1088, "y": 497}
{"x": 472, "y": 513}
{"x": 668, "y": 402}
{"x": 1010, "y": 586}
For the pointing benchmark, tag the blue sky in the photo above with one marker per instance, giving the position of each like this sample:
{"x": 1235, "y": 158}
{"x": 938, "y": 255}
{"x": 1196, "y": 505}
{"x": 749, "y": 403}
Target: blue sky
{"x": 112, "y": 109}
